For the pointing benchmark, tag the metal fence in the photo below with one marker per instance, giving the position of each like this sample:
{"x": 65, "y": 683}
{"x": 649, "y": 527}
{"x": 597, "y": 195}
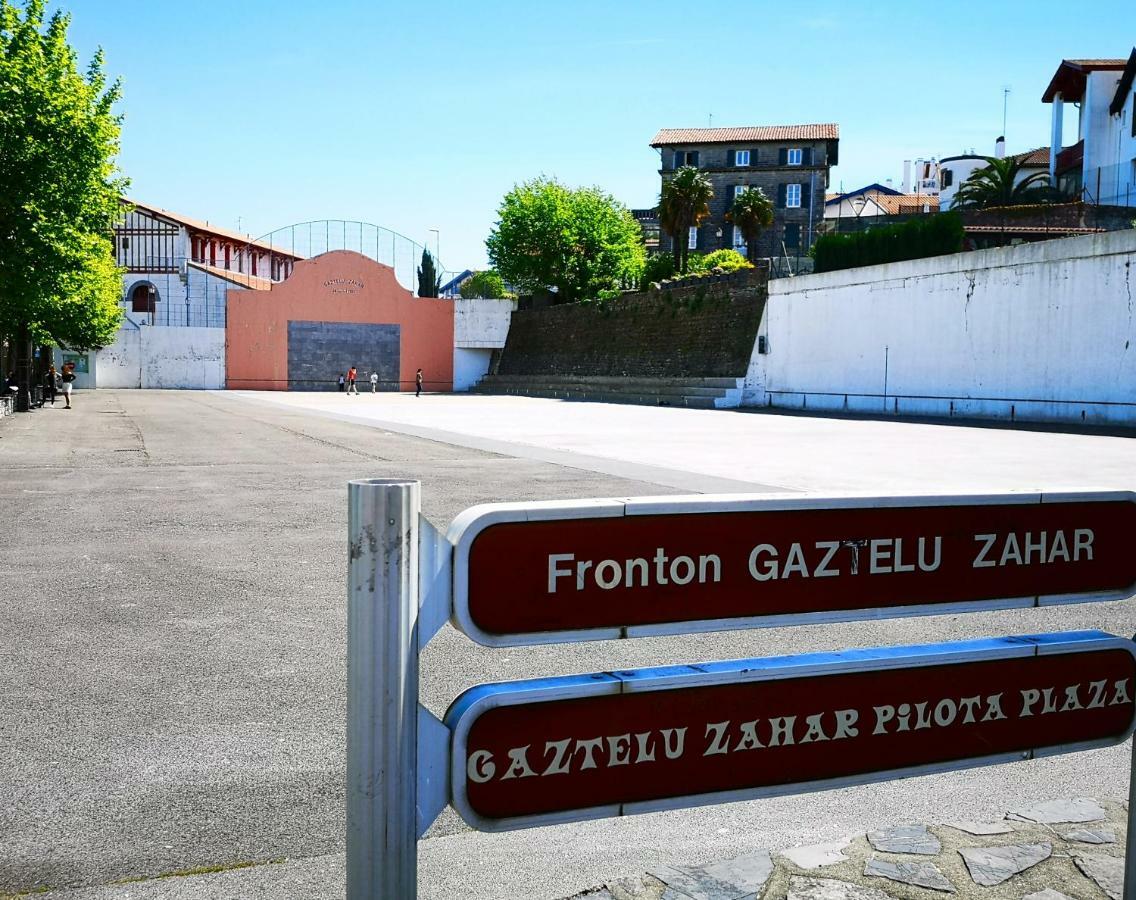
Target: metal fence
{"x": 1110, "y": 185}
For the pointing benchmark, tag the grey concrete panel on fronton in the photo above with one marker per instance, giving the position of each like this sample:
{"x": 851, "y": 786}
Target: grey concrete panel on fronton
{"x": 1047, "y": 894}
{"x": 816, "y": 855}
{"x": 802, "y": 888}
{"x": 918, "y": 874}
{"x": 319, "y": 352}
{"x": 905, "y": 839}
{"x": 1053, "y": 812}
{"x": 982, "y": 828}
{"x": 1106, "y": 871}
{"x": 1091, "y": 835}
{"x": 993, "y": 865}
{"x": 732, "y": 879}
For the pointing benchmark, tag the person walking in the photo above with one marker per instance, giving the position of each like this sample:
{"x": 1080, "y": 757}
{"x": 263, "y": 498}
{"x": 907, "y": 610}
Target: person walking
{"x": 351, "y": 374}
{"x": 68, "y": 378}
{"x": 49, "y": 387}
{"x": 342, "y": 381}
{"x": 374, "y": 382}
{"x": 418, "y": 383}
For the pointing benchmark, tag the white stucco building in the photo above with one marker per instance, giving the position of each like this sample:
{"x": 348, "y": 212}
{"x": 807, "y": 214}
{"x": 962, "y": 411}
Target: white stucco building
{"x": 1102, "y": 163}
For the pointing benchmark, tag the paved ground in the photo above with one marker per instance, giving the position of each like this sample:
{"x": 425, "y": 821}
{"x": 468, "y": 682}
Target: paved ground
{"x": 172, "y": 627}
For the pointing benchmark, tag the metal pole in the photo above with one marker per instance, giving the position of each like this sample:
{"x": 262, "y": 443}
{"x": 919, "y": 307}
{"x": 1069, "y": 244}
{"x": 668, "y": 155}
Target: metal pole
{"x": 1130, "y": 845}
{"x": 382, "y": 689}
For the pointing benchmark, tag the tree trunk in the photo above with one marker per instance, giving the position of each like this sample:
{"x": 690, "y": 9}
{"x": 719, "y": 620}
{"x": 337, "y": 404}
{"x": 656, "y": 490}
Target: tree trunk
{"x": 677, "y": 251}
{"x": 751, "y": 249}
{"x": 24, "y": 368}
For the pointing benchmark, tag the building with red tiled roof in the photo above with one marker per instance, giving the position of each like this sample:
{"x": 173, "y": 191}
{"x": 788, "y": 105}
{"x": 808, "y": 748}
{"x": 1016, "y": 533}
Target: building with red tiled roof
{"x": 1101, "y": 165}
{"x": 790, "y": 163}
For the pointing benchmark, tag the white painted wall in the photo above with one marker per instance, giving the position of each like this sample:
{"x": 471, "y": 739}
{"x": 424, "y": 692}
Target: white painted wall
{"x": 482, "y": 323}
{"x": 153, "y": 356}
{"x": 470, "y": 366}
{"x": 1043, "y": 332}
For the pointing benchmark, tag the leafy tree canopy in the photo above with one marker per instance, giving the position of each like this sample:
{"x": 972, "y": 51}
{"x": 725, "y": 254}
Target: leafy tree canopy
{"x": 487, "y": 285}
{"x": 580, "y": 242}
{"x": 59, "y": 187}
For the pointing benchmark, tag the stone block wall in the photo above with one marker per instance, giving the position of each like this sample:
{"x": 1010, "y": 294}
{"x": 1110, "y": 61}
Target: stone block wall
{"x": 701, "y": 329}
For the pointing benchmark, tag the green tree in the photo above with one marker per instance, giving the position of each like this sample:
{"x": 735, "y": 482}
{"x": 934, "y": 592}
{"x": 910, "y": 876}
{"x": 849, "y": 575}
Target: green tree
{"x": 998, "y": 185}
{"x": 487, "y": 285}
{"x": 579, "y": 243}
{"x": 752, "y": 212}
{"x": 59, "y": 189}
{"x": 683, "y": 204}
{"x": 429, "y": 280}
{"x": 728, "y": 260}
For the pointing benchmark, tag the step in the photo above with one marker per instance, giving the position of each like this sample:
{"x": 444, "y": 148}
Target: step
{"x": 615, "y": 381}
{"x": 551, "y": 384}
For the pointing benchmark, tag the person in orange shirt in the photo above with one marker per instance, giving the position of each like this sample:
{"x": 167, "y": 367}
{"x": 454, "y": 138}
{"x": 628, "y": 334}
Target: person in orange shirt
{"x": 351, "y": 388}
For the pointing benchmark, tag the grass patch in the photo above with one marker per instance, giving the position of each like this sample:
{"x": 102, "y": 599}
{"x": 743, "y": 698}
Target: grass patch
{"x": 201, "y": 870}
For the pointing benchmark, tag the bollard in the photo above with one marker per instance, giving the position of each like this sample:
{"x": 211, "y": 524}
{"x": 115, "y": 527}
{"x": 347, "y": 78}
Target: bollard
{"x": 382, "y": 689}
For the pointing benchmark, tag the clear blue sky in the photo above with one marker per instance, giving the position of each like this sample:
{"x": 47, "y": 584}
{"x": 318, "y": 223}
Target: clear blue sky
{"x": 420, "y": 116}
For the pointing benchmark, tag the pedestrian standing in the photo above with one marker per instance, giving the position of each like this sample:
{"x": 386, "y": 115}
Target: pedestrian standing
{"x": 418, "y": 383}
{"x": 351, "y": 373}
{"x": 49, "y": 387}
{"x": 68, "y": 378}
{"x": 342, "y": 381}
{"x": 374, "y": 382}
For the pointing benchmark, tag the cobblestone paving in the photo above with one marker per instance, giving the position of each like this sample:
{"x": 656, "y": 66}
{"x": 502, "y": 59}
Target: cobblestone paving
{"x": 1060, "y": 849}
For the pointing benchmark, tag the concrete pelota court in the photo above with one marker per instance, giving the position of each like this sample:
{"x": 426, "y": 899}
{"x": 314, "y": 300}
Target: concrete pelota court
{"x": 705, "y": 450}
{"x": 173, "y": 628}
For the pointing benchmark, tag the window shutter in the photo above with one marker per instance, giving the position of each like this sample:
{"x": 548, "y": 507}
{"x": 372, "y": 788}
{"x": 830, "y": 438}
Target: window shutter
{"x": 807, "y": 156}
{"x": 695, "y": 161}
{"x": 781, "y": 189}
{"x": 678, "y": 159}
{"x": 805, "y": 190}
{"x": 783, "y": 156}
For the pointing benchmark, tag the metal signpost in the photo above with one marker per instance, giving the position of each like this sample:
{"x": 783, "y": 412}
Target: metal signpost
{"x": 636, "y": 741}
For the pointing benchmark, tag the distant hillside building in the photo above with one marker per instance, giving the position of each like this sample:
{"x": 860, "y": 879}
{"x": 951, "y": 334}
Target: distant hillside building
{"x": 790, "y": 163}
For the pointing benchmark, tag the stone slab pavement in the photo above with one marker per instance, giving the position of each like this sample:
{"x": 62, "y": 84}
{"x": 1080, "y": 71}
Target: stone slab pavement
{"x": 172, "y": 640}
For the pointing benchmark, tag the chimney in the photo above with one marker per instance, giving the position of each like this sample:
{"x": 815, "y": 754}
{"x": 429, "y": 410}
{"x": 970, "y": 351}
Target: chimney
{"x": 1000, "y": 148}
{"x": 907, "y": 176}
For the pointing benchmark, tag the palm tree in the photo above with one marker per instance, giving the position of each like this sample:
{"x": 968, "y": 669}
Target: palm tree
{"x": 683, "y": 204}
{"x": 998, "y": 185}
{"x": 752, "y": 212}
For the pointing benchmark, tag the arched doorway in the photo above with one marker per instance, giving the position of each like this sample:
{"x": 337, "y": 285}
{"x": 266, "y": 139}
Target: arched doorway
{"x": 143, "y": 297}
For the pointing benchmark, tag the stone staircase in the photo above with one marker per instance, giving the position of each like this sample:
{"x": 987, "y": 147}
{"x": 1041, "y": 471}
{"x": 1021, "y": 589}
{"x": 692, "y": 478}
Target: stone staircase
{"x": 691, "y": 393}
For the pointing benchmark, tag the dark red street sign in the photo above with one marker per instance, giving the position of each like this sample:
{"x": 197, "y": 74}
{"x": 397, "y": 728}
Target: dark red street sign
{"x": 566, "y": 749}
{"x": 586, "y": 570}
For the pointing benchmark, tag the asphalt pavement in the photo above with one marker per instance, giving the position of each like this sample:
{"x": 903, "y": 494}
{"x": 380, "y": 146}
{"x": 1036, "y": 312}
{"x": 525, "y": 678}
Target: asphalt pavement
{"x": 173, "y": 616}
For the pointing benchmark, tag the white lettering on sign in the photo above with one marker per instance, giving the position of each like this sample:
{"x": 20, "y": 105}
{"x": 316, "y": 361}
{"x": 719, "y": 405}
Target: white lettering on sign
{"x": 820, "y": 559}
{"x": 1031, "y": 549}
{"x": 567, "y": 755}
{"x": 566, "y": 573}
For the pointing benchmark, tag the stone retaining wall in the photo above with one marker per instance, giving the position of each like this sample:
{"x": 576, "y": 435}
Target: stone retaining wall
{"x": 702, "y": 328}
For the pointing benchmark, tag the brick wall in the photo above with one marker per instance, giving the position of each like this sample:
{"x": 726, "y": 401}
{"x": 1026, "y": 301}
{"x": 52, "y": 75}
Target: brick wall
{"x": 705, "y": 329}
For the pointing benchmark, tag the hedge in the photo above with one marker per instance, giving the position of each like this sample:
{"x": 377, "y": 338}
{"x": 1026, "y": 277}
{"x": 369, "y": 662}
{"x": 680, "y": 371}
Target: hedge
{"x": 931, "y": 235}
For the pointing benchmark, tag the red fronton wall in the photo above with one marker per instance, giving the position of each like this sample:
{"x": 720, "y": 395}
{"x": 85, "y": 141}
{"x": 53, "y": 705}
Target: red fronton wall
{"x": 340, "y": 286}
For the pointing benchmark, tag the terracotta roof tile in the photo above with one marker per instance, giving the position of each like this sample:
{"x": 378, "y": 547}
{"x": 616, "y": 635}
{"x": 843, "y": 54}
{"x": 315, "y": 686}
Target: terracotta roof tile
{"x": 825, "y": 132}
{"x": 901, "y": 204}
{"x": 253, "y": 282}
{"x": 1034, "y": 158}
{"x": 198, "y": 225}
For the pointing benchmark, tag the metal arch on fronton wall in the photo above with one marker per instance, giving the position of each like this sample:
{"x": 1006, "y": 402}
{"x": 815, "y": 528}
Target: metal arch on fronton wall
{"x": 308, "y": 239}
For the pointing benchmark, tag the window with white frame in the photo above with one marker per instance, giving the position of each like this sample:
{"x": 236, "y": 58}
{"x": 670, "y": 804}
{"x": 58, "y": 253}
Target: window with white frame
{"x": 692, "y": 238}
{"x": 739, "y": 240}
{"x": 741, "y": 157}
{"x": 792, "y": 195}
{"x": 795, "y": 156}
{"x": 740, "y": 189}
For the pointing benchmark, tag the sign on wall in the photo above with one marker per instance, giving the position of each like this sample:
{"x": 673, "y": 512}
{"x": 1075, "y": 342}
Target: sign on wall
{"x": 535, "y": 573}
{"x": 567, "y": 749}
